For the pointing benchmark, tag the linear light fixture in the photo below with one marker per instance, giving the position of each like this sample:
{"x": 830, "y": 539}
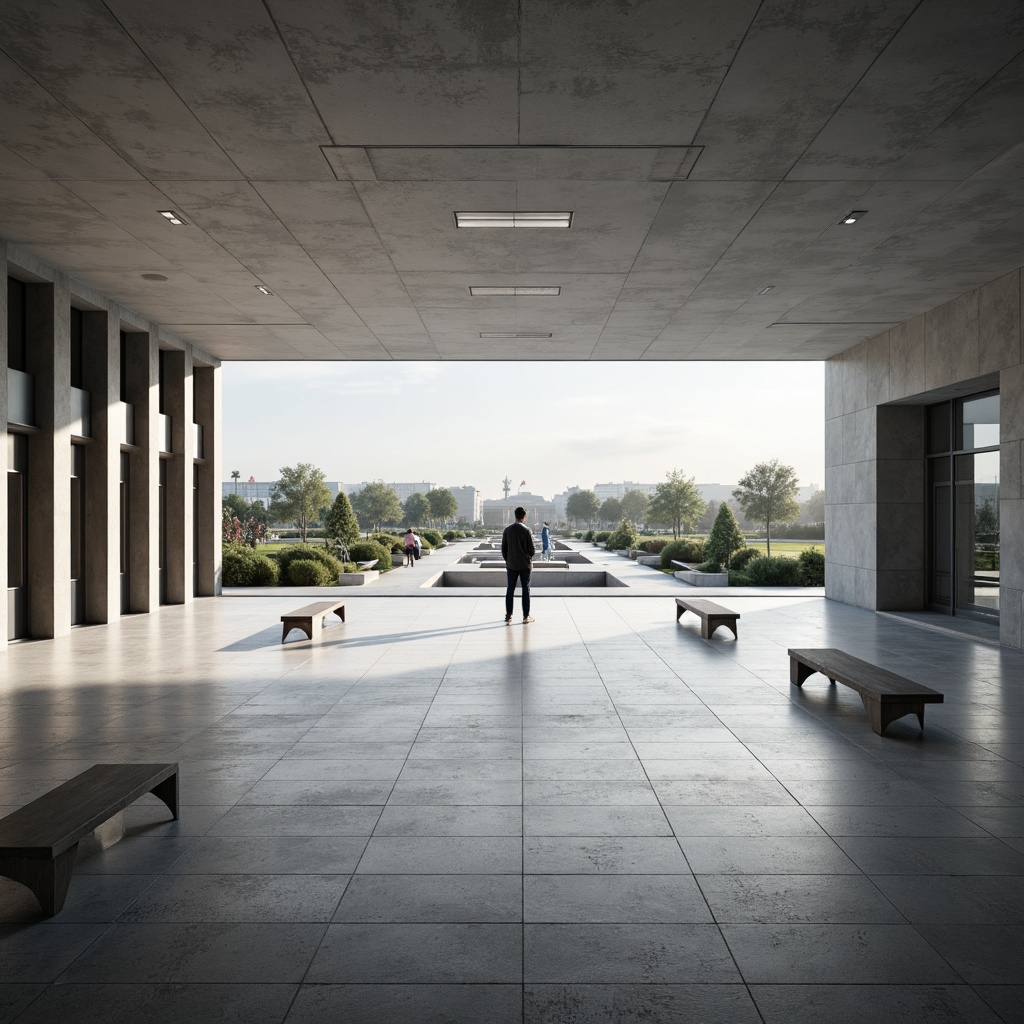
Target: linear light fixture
{"x": 512, "y": 219}
{"x": 518, "y": 289}
{"x": 511, "y": 334}
{"x": 263, "y": 289}
{"x": 174, "y": 218}
{"x": 766, "y": 289}
{"x": 853, "y": 216}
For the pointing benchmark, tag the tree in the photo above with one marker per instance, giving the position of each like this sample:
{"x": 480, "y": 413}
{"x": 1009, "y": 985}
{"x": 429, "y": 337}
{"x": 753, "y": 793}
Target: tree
{"x": 635, "y": 505}
{"x": 814, "y": 508}
{"x": 237, "y": 506}
{"x": 611, "y": 510}
{"x": 443, "y": 505}
{"x": 583, "y": 506}
{"x": 416, "y": 508}
{"x": 235, "y": 474}
{"x": 767, "y": 495}
{"x": 725, "y": 537}
{"x": 300, "y": 496}
{"x": 677, "y": 502}
{"x": 707, "y": 521}
{"x": 341, "y": 524}
{"x": 986, "y": 521}
{"x": 375, "y": 505}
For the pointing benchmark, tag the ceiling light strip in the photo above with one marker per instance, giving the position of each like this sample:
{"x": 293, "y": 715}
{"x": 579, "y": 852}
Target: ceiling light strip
{"x": 511, "y": 334}
{"x": 519, "y": 289}
{"x": 173, "y": 217}
{"x": 512, "y": 219}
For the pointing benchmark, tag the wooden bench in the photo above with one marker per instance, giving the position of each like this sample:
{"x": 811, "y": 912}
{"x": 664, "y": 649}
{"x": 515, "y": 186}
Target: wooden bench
{"x": 711, "y": 615}
{"x": 886, "y": 696}
{"x": 39, "y": 842}
{"x": 310, "y": 618}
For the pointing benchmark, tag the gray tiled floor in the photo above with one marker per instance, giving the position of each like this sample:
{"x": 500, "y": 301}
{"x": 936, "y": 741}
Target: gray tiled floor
{"x": 431, "y": 816}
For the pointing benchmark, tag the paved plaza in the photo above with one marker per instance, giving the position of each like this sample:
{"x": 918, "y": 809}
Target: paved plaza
{"x": 428, "y": 815}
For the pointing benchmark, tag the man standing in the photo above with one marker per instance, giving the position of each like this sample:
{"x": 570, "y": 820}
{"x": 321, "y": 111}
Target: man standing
{"x": 517, "y": 549}
{"x": 545, "y": 543}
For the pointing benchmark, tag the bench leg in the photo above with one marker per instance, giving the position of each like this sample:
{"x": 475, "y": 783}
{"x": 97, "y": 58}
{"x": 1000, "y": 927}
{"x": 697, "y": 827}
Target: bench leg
{"x": 168, "y": 792}
{"x": 882, "y": 716}
{"x": 729, "y": 624}
{"x": 340, "y": 612}
{"x": 286, "y": 629}
{"x": 798, "y": 672}
{"x": 48, "y": 879}
{"x": 679, "y": 612}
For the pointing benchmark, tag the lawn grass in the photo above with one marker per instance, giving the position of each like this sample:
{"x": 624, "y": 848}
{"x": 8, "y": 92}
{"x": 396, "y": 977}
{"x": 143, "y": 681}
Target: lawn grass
{"x": 788, "y": 548}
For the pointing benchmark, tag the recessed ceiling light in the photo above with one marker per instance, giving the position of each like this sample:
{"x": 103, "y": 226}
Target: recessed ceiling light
{"x": 853, "y": 216}
{"x": 512, "y": 219}
{"x": 174, "y": 218}
{"x": 263, "y": 289}
{"x": 511, "y": 334}
{"x": 518, "y": 289}
{"x": 153, "y": 277}
{"x": 766, "y": 289}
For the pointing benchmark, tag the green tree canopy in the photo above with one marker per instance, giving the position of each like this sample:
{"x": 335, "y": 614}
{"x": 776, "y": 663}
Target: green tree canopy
{"x": 725, "y": 537}
{"x": 375, "y": 505}
{"x": 635, "y": 505}
{"x": 416, "y": 508}
{"x": 677, "y": 502}
{"x": 767, "y": 495}
{"x": 443, "y": 505}
{"x": 300, "y": 496}
{"x": 707, "y": 520}
{"x": 583, "y": 506}
{"x": 611, "y": 510}
{"x": 341, "y": 524}
{"x": 813, "y": 509}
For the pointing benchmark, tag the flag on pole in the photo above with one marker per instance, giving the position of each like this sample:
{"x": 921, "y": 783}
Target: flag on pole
{"x": 522, "y": 483}
{"x": 252, "y": 479}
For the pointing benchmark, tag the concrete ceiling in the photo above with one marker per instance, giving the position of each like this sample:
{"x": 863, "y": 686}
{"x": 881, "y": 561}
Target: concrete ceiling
{"x": 707, "y": 150}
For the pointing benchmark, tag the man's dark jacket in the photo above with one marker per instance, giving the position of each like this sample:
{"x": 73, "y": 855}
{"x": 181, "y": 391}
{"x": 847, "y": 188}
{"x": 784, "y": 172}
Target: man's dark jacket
{"x": 517, "y": 547}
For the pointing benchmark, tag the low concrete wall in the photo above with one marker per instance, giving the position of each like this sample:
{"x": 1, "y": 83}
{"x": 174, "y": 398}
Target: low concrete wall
{"x": 704, "y": 579}
{"x": 498, "y": 578}
{"x": 357, "y": 579}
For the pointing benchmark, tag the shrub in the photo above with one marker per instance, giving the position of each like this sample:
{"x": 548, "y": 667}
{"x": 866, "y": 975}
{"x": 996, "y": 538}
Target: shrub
{"x": 775, "y": 572}
{"x": 307, "y": 572}
{"x": 725, "y": 537}
{"x": 349, "y": 567}
{"x": 433, "y": 537}
{"x": 600, "y": 538}
{"x": 367, "y": 550}
{"x": 709, "y": 567}
{"x": 588, "y": 536}
{"x": 739, "y": 579}
{"x": 812, "y": 568}
{"x": 681, "y": 551}
{"x": 244, "y": 567}
{"x": 449, "y": 535}
{"x": 307, "y": 552}
{"x": 654, "y": 546}
{"x": 389, "y": 541}
{"x": 741, "y": 559}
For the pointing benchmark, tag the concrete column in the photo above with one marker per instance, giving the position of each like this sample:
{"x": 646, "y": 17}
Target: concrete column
{"x": 101, "y": 344}
{"x": 4, "y": 446}
{"x": 206, "y": 381}
{"x": 48, "y": 316}
{"x": 177, "y": 388}
{"x": 142, "y": 380}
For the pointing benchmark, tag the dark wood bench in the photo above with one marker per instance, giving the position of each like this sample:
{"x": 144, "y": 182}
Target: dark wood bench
{"x": 711, "y": 615}
{"x": 886, "y": 695}
{"x": 39, "y": 842}
{"x": 310, "y": 618}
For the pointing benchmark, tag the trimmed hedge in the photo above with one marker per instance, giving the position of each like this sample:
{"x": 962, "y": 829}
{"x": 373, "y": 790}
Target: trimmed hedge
{"x": 243, "y": 566}
{"x": 307, "y": 552}
{"x": 433, "y": 537}
{"x": 742, "y": 558}
{"x": 655, "y": 546}
{"x": 681, "y": 551}
{"x": 775, "y": 572}
{"x": 306, "y": 572}
{"x": 367, "y": 550}
{"x": 812, "y": 568}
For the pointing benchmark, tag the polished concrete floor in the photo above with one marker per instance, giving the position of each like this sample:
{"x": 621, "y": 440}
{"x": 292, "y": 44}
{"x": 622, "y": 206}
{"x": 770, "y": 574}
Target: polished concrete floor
{"x": 428, "y": 815}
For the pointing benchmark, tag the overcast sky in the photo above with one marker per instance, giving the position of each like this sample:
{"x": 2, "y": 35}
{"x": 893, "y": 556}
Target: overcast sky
{"x": 553, "y": 425}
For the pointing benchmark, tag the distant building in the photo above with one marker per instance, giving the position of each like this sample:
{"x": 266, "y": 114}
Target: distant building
{"x": 606, "y": 491}
{"x": 500, "y": 512}
{"x": 403, "y": 490}
{"x": 470, "y": 504}
{"x": 252, "y": 490}
{"x": 561, "y": 500}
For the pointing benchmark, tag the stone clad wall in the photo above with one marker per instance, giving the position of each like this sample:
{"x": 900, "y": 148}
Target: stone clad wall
{"x": 875, "y": 395}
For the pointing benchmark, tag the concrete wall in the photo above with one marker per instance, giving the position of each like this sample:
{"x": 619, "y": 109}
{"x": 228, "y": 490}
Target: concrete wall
{"x": 875, "y": 395}
{"x": 50, "y": 297}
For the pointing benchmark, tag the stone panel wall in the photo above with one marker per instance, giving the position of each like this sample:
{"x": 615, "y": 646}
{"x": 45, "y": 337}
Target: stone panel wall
{"x": 875, "y": 394}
